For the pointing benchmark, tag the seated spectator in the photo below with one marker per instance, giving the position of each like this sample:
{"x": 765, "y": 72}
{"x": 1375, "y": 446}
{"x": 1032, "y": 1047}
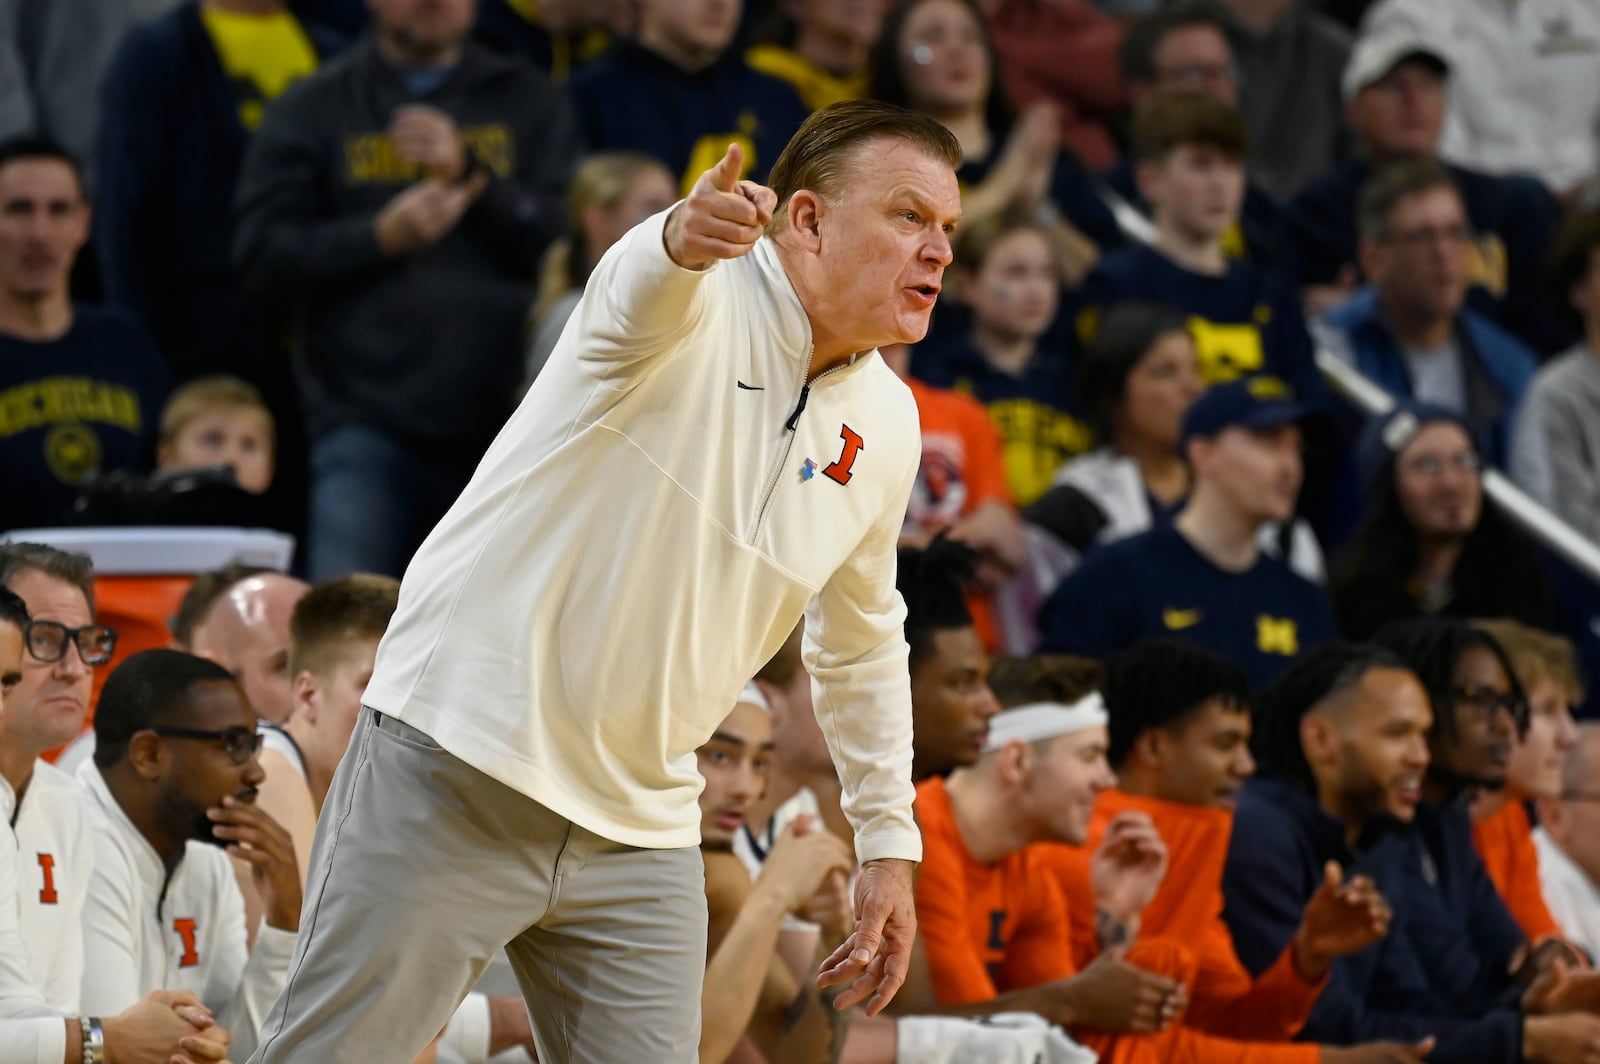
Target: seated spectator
{"x": 1547, "y": 669}
{"x": 801, "y": 778}
{"x": 1343, "y": 739}
{"x": 821, "y": 48}
{"x": 961, "y": 489}
{"x": 1064, "y": 51}
{"x": 1290, "y": 57}
{"x": 1190, "y": 151}
{"x": 182, "y": 98}
{"x": 1179, "y": 742}
{"x": 402, "y": 197}
{"x": 334, "y": 631}
{"x": 680, "y": 93}
{"x": 1394, "y": 91}
{"x": 950, "y": 701}
{"x": 1429, "y": 544}
{"x": 611, "y": 193}
{"x": 219, "y": 421}
{"x": 44, "y": 709}
{"x": 1410, "y": 329}
{"x": 1477, "y": 956}
{"x": 997, "y": 932}
{"x": 1529, "y": 104}
{"x": 246, "y": 631}
{"x": 749, "y": 991}
{"x": 1184, "y": 48}
{"x": 80, "y": 388}
{"x": 557, "y": 36}
{"x": 1568, "y": 842}
{"x": 203, "y": 593}
{"x": 1555, "y": 450}
{"x": 1004, "y": 271}
{"x": 32, "y": 1031}
{"x": 173, "y": 782}
{"x": 936, "y": 57}
{"x": 1205, "y": 575}
{"x": 1135, "y": 381}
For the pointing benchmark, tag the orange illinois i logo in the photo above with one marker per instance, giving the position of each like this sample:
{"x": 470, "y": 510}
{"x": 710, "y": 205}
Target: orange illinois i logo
{"x": 47, "y": 888}
{"x": 853, "y": 445}
{"x": 185, "y": 928}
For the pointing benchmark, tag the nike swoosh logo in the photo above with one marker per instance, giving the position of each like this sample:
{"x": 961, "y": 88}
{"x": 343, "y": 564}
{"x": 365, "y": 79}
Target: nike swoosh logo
{"x": 1179, "y": 619}
{"x": 750, "y": 387}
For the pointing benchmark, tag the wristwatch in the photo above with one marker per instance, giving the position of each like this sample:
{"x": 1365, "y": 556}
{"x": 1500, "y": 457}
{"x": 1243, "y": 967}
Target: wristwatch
{"x": 94, "y": 1040}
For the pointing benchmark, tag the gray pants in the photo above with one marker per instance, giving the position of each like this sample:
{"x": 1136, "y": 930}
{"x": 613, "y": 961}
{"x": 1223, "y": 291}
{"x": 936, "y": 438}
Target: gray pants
{"x": 424, "y": 867}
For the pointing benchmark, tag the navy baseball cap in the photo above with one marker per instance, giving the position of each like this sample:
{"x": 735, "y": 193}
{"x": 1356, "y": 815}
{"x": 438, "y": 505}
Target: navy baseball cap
{"x": 1257, "y": 402}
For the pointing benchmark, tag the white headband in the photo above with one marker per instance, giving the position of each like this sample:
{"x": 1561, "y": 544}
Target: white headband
{"x": 1045, "y": 720}
{"x": 751, "y": 695}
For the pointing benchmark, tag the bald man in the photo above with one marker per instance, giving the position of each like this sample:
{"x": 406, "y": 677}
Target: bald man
{"x": 246, "y": 631}
{"x": 1568, "y": 842}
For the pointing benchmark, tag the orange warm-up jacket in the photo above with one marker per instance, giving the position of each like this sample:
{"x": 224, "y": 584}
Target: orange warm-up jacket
{"x": 1225, "y": 1001}
{"x": 1504, "y": 840}
{"x": 988, "y": 929}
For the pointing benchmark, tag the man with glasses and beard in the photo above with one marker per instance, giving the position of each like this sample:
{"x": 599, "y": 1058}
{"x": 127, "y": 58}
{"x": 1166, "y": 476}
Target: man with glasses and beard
{"x": 61, "y": 648}
{"x": 1366, "y": 767}
{"x": 174, "y": 778}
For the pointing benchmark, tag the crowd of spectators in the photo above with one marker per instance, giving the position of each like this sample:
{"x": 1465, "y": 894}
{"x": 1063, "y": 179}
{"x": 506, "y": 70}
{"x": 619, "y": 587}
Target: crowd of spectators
{"x": 304, "y": 257}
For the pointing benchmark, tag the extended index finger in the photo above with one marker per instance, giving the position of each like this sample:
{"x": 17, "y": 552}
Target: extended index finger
{"x": 724, "y": 177}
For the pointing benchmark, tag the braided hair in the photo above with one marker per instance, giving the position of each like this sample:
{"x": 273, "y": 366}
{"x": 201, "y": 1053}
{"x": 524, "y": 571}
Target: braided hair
{"x": 1431, "y": 648}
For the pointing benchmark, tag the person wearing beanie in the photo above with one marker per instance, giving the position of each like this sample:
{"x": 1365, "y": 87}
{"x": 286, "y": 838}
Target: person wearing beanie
{"x": 1205, "y": 577}
{"x": 1428, "y": 545}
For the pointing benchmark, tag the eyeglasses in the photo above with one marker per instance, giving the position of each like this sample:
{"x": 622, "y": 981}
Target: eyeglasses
{"x": 47, "y": 642}
{"x": 1198, "y": 76}
{"x": 1581, "y": 796}
{"x": 1431, "y": 465}
{"x": 1416, "y": 238}
{"x": 240, "y": 742}
{"x": 1486, "y": 702}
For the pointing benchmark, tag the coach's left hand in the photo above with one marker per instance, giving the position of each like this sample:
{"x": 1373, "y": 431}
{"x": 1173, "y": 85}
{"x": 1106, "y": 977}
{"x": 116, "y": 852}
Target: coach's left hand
{"x": 877, "y": 954}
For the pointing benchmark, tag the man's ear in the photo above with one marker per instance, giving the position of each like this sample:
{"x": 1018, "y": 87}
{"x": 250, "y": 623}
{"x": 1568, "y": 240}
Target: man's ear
{"x": 1318, "y": 738}
{"x": 1015, "y": 762}
{"x": 803, "y": 216}
{"x": 1151, "y": 747}
{"x": 302, "y": 702}
{"x": 147, "y": 755}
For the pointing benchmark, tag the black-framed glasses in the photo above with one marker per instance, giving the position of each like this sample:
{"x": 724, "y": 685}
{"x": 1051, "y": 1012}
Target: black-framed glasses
{"x": 47, "y": 642}
{"x": 1486, "y": 702}
{"x": 240, "y": 742}
{"x": 1581, "y": 796}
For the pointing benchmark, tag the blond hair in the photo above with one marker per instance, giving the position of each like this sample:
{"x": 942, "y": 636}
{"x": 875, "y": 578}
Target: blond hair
{"x": 1536, "y": 656}
{"x": 602, "y": 180}
{"x": 333, "y": 615}
{"x": 205, "y": 394}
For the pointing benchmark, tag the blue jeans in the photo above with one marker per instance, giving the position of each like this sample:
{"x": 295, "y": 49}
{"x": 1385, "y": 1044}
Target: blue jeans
{"x": 373, "y": 501}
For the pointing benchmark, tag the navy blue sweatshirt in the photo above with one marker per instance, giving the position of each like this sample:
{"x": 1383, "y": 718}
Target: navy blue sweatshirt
{"x": 168, "y": 161}
{"x": 86, "y": 403}
{"x": 632, "y": 99}
{"x": 426, "y": 347}
{"x": 1427, "y": 976}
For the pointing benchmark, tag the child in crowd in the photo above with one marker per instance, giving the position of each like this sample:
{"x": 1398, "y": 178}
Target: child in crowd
{"x": 219, "y": 421}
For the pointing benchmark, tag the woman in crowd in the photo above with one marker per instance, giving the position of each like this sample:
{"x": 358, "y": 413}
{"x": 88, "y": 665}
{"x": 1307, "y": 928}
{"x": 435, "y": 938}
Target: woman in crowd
{"x": 936, "y": 56}
{"x": 1428, "y": 545}
{"x": 611, "y": 193}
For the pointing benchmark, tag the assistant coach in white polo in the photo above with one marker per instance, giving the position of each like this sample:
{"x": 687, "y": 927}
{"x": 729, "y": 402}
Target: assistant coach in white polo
{"x": 714, "y": 448}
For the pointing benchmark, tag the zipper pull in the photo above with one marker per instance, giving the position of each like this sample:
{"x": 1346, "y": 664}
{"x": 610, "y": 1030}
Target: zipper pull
{"x": 794, "y": 418}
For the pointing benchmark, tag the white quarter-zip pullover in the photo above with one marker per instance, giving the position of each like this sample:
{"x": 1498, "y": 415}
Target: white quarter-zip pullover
{"x": 667, "y": 501}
